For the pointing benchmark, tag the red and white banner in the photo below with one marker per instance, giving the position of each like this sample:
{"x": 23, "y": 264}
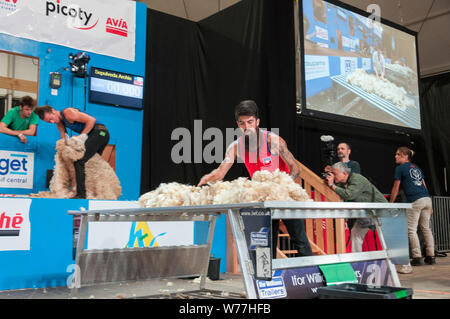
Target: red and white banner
{"x": 15, "y": 226}
{"x": 99, "y": 26}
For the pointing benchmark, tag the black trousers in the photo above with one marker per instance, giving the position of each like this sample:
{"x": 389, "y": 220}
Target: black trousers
{"x": 96, "y": 142}
{"x": 297, "y": 232}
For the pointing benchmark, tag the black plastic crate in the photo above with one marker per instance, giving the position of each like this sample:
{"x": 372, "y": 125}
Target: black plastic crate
{"x": 360, "y": 291}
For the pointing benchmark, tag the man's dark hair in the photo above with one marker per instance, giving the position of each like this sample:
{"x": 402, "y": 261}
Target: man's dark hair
{"x": 248, "y": 108}
{"x": 40, "y": 111}
{"x": 28, "y": 101}
{"x": 348, "y": 145}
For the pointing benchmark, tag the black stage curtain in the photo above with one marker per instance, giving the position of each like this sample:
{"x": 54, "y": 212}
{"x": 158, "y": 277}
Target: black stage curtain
{"x": 200, "y": 71}
{"x": 435, "y": 101}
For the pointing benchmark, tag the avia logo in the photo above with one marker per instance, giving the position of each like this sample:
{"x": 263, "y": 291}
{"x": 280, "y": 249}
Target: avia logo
{"x": 117, "y": 26}
{"x": 78, "y": 18}
{"x": 141, "y": 236}
{"x": 12, "y": 165}
{"x": 10, "y": 226}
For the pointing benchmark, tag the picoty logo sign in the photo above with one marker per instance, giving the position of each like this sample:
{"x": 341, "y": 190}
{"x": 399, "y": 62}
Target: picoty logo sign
{"x": 106, "y": 27}
{"x": 16, "y": 169}
{"x": 78, "y": 17}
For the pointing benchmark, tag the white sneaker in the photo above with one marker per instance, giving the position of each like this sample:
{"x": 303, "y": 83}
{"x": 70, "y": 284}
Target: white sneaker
{"x": 404, "y": 269}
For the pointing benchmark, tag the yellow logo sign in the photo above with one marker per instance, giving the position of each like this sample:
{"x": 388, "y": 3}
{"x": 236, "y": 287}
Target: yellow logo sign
{"x": 141, "y": 236}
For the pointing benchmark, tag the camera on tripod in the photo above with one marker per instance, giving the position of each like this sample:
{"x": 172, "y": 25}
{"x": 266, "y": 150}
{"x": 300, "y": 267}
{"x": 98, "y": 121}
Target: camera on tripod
{"x": 328, "y": 151}
{"x": 78, "y": 63}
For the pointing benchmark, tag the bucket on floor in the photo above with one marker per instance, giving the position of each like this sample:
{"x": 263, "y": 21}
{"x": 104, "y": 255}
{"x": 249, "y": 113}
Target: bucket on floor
{"x": 214, "y": 268}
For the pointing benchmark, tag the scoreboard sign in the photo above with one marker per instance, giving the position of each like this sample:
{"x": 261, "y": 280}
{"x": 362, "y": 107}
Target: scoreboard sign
{"x": 116, "y": 88}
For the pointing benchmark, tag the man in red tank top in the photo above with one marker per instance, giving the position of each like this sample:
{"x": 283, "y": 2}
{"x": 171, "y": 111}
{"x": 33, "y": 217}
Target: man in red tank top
{"x": 262, "y": 150}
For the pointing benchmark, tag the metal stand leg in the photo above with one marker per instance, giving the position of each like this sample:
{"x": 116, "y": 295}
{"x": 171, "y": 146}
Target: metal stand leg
{"x": 80, "y": 248}
{"x": 212, "y": 225}
{"x": 391, "y": 266}
{"x": 242, "y": 251}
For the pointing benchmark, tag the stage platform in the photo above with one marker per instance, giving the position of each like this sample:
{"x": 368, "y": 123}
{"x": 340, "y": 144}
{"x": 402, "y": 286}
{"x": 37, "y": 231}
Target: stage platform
{"x": 38, "y": 238}
{"x": 428, "y": 282}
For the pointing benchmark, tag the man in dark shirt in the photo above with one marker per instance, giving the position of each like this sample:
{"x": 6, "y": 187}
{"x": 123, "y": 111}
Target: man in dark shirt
{"x": 343, "y": 152}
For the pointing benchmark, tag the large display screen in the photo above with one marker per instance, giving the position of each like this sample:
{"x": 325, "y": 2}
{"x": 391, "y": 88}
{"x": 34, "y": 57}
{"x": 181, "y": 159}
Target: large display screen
{"x": 357, "y": 67}
{"x": 115, "y": 88}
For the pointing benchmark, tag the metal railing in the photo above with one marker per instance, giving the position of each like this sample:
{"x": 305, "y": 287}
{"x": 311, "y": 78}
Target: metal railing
{"x": 440, "y": 223}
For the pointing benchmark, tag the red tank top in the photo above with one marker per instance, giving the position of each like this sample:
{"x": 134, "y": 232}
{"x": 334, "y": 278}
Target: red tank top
{"x": 266, "y": 161}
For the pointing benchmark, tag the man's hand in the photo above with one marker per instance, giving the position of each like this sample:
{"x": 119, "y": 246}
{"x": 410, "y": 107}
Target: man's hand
{"x": 219, "y": 173}
{"x": 214, "y": 176}
{"x": 83, "y": 137}
{"x": 22, "y": 138}
{"x": 204, "y": 180}
{"x": 330, "y": 179}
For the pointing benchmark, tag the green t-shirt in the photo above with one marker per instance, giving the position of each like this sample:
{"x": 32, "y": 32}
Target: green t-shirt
{"x": 14, "y": 122}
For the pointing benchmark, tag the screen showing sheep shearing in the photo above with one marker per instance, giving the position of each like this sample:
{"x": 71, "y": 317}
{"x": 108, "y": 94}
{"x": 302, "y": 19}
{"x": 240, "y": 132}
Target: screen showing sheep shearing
{"x": 358, "y": 67}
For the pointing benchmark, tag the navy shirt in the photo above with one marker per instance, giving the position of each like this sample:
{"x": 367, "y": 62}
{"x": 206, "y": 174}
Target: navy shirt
{"x": 411, "y": 180}
{"x": 75, "y": 126}
{"x": 354, "y": 166}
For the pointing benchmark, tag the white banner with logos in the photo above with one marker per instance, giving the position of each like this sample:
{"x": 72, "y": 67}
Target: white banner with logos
{"x": 321, "y": 33}
{"x": 100, "y": 26}
{"x": 316, "y": 66}
{"x": 109, "y": 235}
{"x": 16, "y": 169}
{"x": 15, "y": 226}
{"x": 348, "y": 64}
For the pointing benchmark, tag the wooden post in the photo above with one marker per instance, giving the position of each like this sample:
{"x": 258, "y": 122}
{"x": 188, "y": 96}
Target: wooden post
{"x": 318, "y": 224}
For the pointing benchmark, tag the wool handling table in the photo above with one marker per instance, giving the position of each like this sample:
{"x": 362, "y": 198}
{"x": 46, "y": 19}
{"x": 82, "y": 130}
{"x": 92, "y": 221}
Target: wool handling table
{"x": 264, "y": 277}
